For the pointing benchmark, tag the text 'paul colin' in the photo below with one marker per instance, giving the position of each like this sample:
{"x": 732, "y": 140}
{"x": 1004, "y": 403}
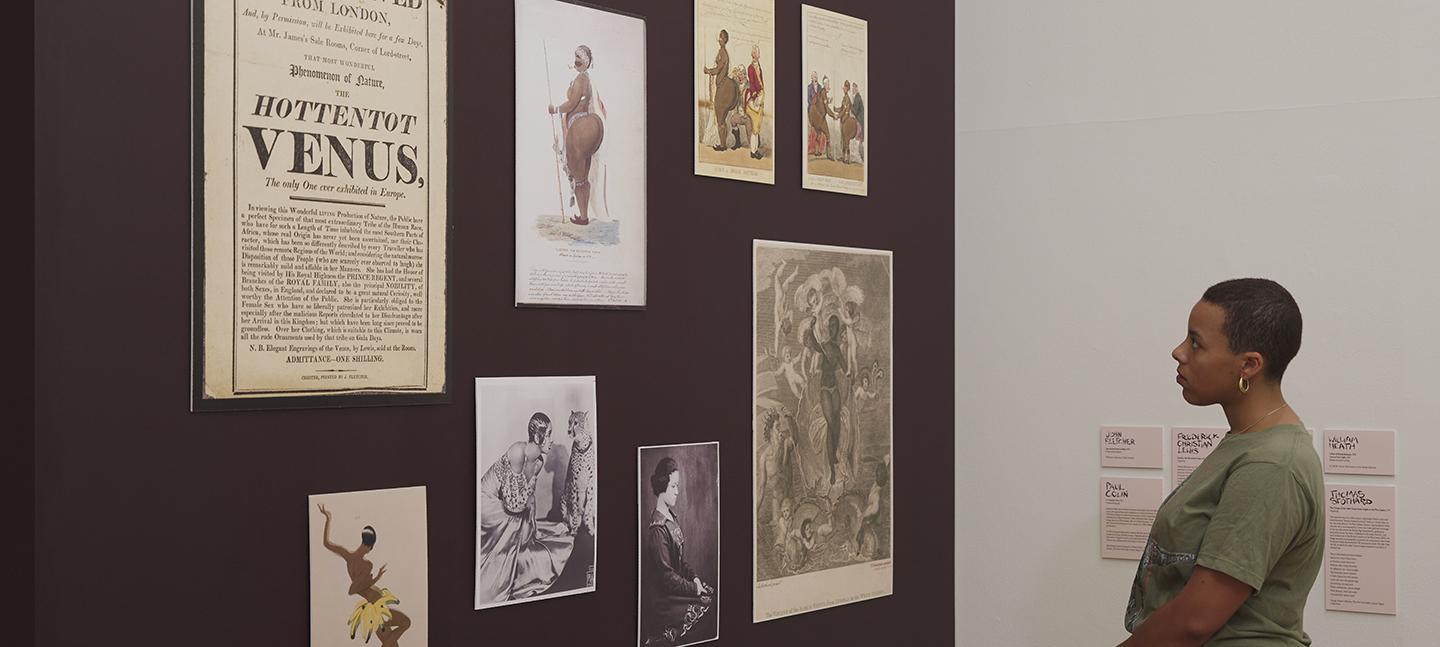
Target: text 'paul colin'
{"x": 350, "y": 11}
{"x": 1115, "y": 491}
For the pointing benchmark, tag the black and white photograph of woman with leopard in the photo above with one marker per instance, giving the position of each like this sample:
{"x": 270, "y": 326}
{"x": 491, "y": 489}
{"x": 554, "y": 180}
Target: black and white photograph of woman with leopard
{"x": 536, "y": 485}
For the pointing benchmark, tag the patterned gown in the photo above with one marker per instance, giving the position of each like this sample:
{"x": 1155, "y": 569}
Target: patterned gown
{"x": 518, "y": 557}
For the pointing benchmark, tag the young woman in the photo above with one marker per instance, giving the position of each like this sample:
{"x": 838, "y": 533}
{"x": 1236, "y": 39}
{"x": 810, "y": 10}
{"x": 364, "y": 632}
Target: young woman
{"x": 583, "y": 125}
{"x": 520, "y": 557}
{"x": 675, "y": 597}
{"x": 1236, "y": 548}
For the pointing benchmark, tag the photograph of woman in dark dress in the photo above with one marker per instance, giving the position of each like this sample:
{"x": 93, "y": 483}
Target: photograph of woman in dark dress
{"x": 677, "y": 597}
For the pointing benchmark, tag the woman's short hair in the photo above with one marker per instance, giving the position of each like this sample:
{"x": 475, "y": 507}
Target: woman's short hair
{"x": 724, "y": 36}
{"x": 367, "y": 536}
{"x": 538, "y": 428}
{"x": 660, "y": 478}
{"x": 1261, "y": 317}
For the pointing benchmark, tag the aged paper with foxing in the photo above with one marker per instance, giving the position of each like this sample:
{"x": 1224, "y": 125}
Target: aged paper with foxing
{"x": 823, "y": 525}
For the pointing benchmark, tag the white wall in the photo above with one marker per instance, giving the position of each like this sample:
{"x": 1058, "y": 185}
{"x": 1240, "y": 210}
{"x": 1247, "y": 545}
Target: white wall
{"x": 1114, "y": 159}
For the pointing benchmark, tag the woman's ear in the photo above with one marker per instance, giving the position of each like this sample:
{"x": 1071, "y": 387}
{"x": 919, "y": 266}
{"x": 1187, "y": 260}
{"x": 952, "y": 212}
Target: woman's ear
{"x": 1252, "y": 364}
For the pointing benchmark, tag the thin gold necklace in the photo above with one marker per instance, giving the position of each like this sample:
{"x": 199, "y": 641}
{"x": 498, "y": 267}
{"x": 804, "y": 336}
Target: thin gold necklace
{"x": 1272, "y": 412}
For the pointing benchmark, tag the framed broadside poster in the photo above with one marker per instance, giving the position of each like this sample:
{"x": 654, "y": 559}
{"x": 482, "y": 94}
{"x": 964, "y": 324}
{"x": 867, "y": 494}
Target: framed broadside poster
{"x": 823, "y": 432}
{"x": 734, "y": 103}
{"x": 580, "y": 202}
{"x": 835, "y": 58}
{"x": 319, "y": 222}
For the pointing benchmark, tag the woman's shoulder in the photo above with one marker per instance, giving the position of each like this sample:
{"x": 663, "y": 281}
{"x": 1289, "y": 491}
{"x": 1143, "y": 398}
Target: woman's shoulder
{"x": 520, "y": 451}
{"x": 1280, "y": 444}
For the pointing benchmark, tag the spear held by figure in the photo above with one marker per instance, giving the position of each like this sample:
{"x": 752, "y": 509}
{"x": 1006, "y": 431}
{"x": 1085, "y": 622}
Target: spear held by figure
{"x": 554, "y": 137}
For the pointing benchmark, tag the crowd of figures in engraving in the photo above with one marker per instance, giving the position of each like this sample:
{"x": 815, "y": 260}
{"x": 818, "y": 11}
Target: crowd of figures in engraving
{"x": 822, "y": 410}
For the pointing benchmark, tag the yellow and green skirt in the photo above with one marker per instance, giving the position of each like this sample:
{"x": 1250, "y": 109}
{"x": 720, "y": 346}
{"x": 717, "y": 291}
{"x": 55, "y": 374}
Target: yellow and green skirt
{"x": 372, "y": 615}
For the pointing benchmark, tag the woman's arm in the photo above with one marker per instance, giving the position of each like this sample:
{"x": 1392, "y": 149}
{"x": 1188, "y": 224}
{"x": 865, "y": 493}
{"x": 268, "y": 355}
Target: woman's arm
{"x": 325, "y": 535}
{"x": 721, "y": 62}
{"x": 1202, "y": 608}
{"x": 579, "y": 89}
{"x": 671, "y": 581}
{"x": 515, "y": 487}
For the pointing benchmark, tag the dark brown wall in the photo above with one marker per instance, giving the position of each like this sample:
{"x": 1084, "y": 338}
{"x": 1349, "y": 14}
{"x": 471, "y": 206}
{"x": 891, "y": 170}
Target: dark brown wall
{"x": 158, "y": 526}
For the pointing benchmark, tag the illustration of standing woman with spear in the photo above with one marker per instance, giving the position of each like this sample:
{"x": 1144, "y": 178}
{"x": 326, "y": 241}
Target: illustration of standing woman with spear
{"x": 582, "y": 123}
{"x": 374, "y": 612}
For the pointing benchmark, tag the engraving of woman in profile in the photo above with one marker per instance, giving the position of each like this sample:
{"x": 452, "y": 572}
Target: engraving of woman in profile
{"x": 375, "y": 613}
{"x": 519, "y": 557}
{"x": 582, "y": 123}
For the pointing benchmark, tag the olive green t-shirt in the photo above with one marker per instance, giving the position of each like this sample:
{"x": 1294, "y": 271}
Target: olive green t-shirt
{"x": 1253, "y": 510}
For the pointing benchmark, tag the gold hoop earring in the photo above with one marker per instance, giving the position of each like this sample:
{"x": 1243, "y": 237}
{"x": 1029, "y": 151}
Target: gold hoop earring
{"x": 1244, "y": 385}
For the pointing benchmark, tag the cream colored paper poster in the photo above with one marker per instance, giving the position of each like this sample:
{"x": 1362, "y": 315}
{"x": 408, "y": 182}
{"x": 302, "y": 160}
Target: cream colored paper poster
{"x": 1127, "y": 511}
{"x": 1132, "y": 447}
{"x": 835, "y": 59}
{"x": 1360, "y": 548}
{"x": 1359, "y": 451}
{"x": 734, "y": 89}
{"x": 580, "y": 204}
{"x": 368, "y": 568}
{"x": 822, "y": 424}
{"x": 320, "y": 229}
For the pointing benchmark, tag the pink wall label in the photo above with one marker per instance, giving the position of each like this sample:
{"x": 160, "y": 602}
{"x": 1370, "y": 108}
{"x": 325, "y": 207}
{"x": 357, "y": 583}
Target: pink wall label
{"x": 1360, "y": 548}
{"x": 1132, "y": 447}
{"x": 1359, "y": 452}
{"x": 1188, "y": 448}
{"x": 1127, "y": 510}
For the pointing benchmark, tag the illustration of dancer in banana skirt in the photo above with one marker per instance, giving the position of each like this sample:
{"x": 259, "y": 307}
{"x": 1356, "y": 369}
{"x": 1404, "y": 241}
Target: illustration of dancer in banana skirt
{"x": 375, "y": 614}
